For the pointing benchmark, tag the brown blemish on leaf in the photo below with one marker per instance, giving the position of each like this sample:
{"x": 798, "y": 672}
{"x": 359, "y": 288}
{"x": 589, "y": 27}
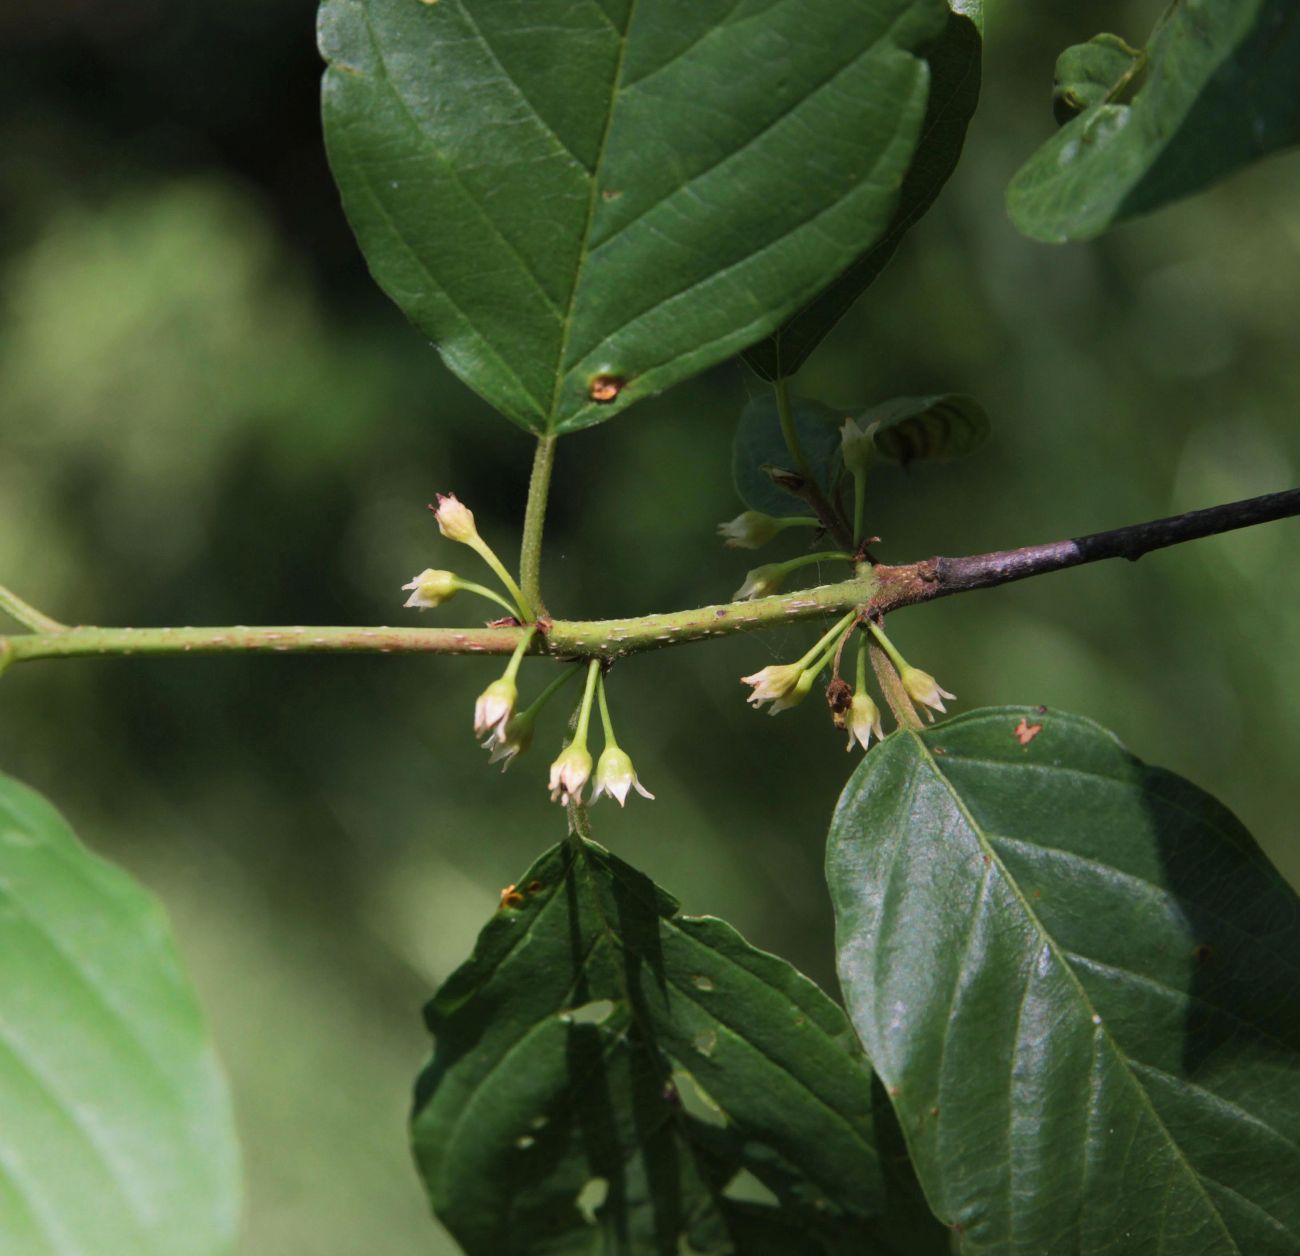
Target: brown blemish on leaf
{"x": 937, "y": 750}
{"x": 1042, "y": 710}
{"x": 604, "y": 388}
{"x": 934, "y": 1111}
{"x": 1025, "y": 732}
{"x": 988, "y": 859}
{"x": 1202, "y": 953}
{"x": 895, "y": 1091}
{"x": 510, "y": 897}
{"x": 534, "y": 887}
{"x": 609, "y": 194}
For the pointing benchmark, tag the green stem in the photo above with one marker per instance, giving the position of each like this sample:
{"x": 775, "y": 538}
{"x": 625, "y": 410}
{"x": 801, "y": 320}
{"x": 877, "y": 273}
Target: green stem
{"x": 598, "y": 638}
{"x": 530, "y": 551}
{"x": 534, "y": 708}
{"x": 788, "y": 429}
{"x": 831, "y": 638}
{"x": 605, "y": 722}
{"x": 887, "y": 645}
{"x": 861, "y": 676}
{"x": 485, "y": 552}
{"x": 584, "y": 714}
{"x": 525, "y": 640}
{"x": 28, "y": 615}
{"x": 796, "y": 521}
{"x": 827, "y": 514}
{"x": 859, "y": 503}
{"x": 807, "y": 560}
{"x": 470, "y": 587}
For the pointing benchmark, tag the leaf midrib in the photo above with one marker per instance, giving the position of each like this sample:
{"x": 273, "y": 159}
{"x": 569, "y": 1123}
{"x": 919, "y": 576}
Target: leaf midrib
{"x": 584, "y": 250}
{"x": 1099, "y": 1025}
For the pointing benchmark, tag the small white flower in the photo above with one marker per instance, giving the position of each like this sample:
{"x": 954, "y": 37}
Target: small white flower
{"x": 923, "y": 688}
{"x": 495, "y": 705}
{"x": 772, "y": 683}
{"x": 615, "y": 776}
{"x": 748, "y": 530}
{"x": 430, "y": 588}
{"x": 569, "y": 773}
{"x": 858, "y": 447}
{"x": 863, "y": 721}
{"x": 761, "y": 582}
{"x": 783, "y": 685}
{"x": 509, "y": 740}
{"x": 455, "y": 520}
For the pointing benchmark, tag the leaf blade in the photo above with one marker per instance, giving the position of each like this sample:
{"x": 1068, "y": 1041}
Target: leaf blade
{"x": 591, "y": 1036}
{"x": 574, "y": 242}
{"x": 119, "y": 1135}
{"x": 1220, "y": 92}
{"x": 1017, "y": 943}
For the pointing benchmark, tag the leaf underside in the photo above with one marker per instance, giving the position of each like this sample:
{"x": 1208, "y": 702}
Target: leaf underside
{"x": 116, "y": 1134}
{"x": 582, "y": 202}
{"x": 605, "y": 1069}
{"x": 939, "y": 428}
{"x": 759, "y": 446}
{"x": 1222, "y": 88}
{"x": 1078, "y": 977}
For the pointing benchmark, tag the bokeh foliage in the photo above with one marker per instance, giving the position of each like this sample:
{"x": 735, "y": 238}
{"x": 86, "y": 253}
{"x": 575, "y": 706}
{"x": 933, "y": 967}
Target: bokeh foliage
{"x": 212, "y": 416}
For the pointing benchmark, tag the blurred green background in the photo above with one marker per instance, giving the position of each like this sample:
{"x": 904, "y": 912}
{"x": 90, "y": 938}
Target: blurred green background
{"x": 210, "y": 415}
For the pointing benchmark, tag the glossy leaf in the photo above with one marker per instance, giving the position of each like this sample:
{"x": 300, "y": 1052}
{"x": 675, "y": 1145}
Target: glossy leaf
{"x": 606, "y": 1067}
{"x": 954, "y": 61}
{"x": 1094, "y": 73}
{"x": 583, "y": 202}
{"x": 1222, "y": 88}
{"x": 759, "y": 448}
{"x": 1078, "y": 977}
{"x": 116, "y": 1136}
{"x": 927, "y": 429}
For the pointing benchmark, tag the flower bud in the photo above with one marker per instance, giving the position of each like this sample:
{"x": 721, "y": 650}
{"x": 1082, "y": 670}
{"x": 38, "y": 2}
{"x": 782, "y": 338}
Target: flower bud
{"x": 455, "y": 520}
{"x": 569, "y": 773}
{"x": 762, "y": 581}
{"x": 749, "y": 530}
{"x": 430, "y": 588}
{"x": 495, "y": 705}
{"x": 858, "y": 447}
{"x": 615, "y": 776}
{"x": 863, "y": 720}
{"x": 923, "y": 688}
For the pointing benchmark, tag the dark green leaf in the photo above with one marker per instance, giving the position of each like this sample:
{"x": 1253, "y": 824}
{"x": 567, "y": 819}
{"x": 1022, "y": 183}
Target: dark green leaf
{"x": 1222, "y": 88}
{"x": 1078, "y": 977}
{"x": 759, "y": 446}
{"x": 116, "y": 1136}
{"x": 1097, "y": 72}
{"x": 927, "y": 429}
{"x": 585, "y": 201}
{"x": 597, "y": 1036}
{"x": 954, "y": 61}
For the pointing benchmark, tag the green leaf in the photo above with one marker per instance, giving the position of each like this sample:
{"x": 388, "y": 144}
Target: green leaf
{"x": 606, "y": 1067}
{"x": 1094, "y": 73}
{"x": 116, "y": 1135}
{"x": 583, "y": 202}
{"x": 1220, "y": 91}
{"x": 927, "y": 429}
{"x": 954, "y": 61}
{"x": 1077, "y": 975}
{"x": 759, "y": 446}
